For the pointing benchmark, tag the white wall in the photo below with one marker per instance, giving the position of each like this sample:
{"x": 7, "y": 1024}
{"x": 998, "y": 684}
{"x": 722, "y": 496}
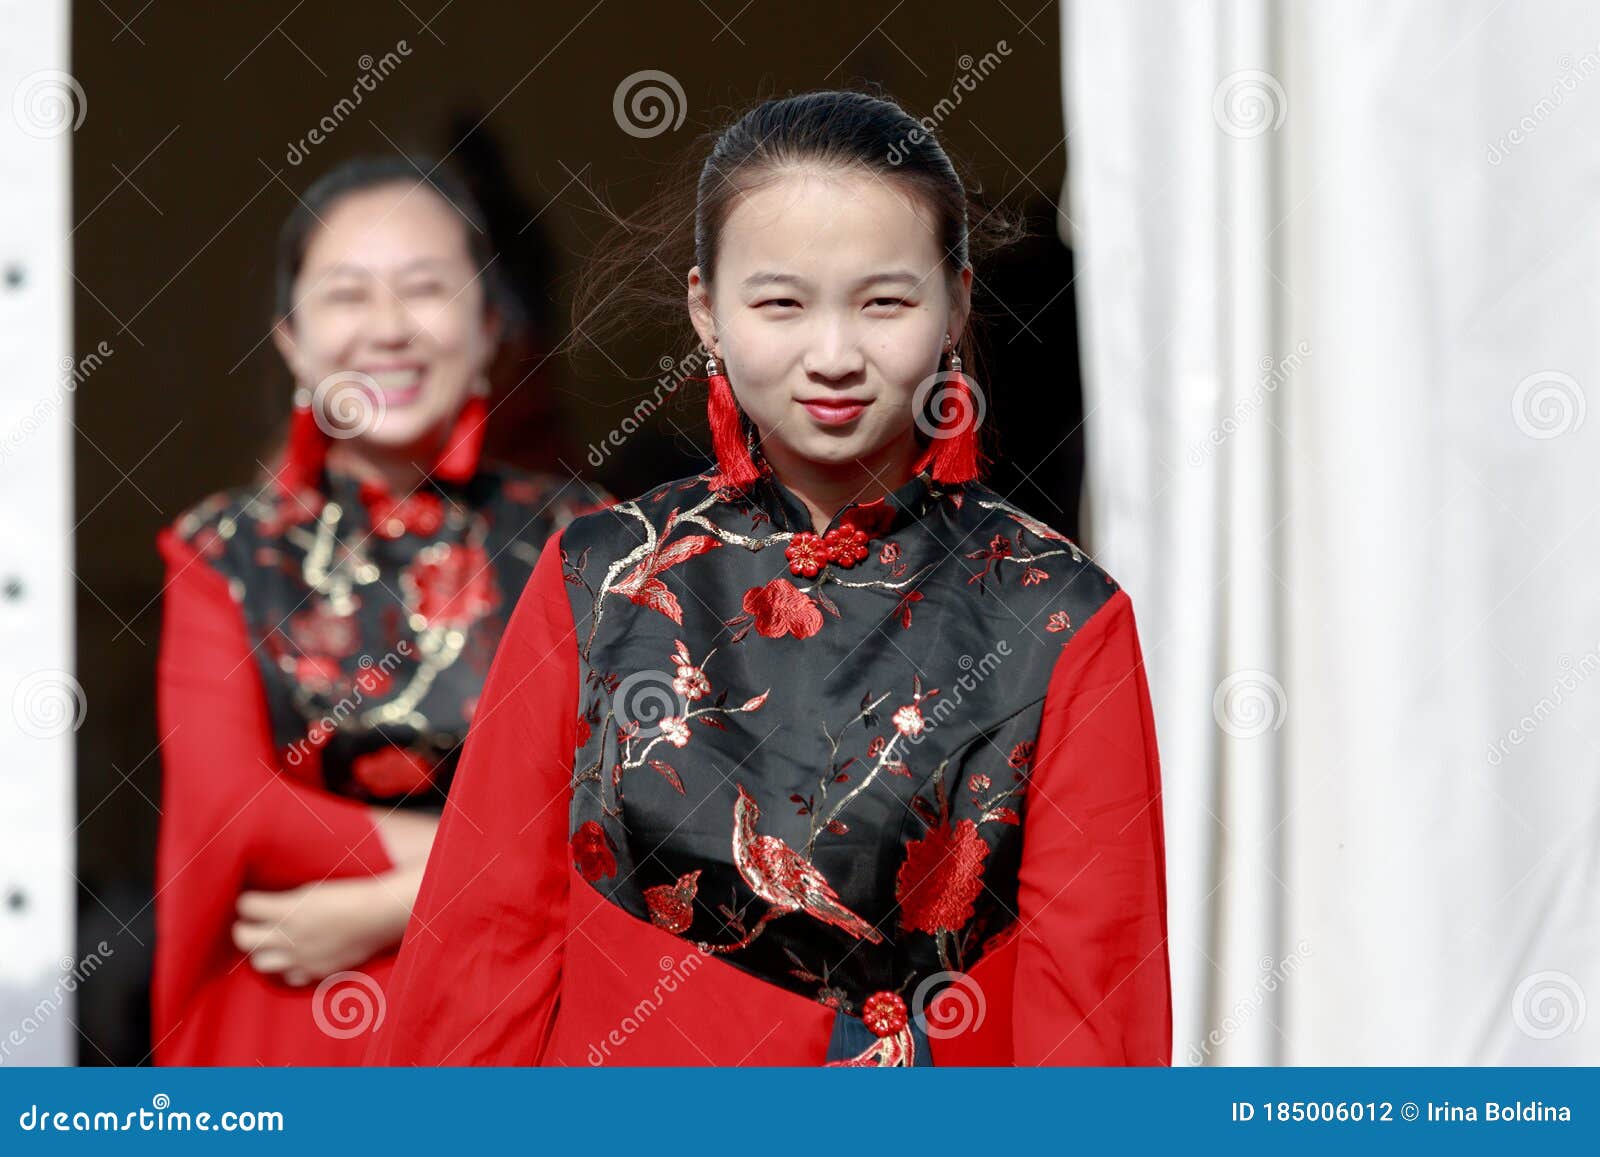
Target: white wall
{"x": 41, "y": 704}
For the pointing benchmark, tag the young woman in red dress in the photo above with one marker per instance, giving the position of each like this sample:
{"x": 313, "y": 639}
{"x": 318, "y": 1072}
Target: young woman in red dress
{"x": 326, "y": 633}
{"x": 828, "y": 755}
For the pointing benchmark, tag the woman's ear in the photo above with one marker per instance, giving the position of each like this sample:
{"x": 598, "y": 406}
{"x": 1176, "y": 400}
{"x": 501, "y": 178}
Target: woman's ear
{"x": 961, "y": 307}
{"x": 288, "y": 348}
{"x": 494, "y": 328}
{"x": 700, "y": 311}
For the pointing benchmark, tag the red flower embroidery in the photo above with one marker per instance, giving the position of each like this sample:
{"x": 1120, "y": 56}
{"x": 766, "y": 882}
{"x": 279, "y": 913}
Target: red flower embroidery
{"x": 1060, "y": 621}
{"x": 807, "y": 554}
{"x": 781, "y": 608}
{"x": 1021, "y": 755}
{"x": 940, "y": 878}
{"x": 583, "y": 731}
{"x": 392, "y": 772}
{"x": 593, "y": 853}
{"x": 672, "y": 905}
{"x": 1033, "y": 576}
{"x": 453, "y": 586}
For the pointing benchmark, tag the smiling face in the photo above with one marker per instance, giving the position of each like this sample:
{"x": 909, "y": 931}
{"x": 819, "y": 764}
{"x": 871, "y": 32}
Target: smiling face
{"x": 829, "y": 305}
{"x": 388, "y": 296}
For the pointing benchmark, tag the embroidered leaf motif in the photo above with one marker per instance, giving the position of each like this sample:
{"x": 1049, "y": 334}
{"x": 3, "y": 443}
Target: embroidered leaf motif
{"x": 669, "y": 773}
{"x": 643, "y": 587}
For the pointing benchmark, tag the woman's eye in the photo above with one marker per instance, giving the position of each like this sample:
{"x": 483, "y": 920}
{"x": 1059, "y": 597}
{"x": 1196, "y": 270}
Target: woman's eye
{"x": 782, "y": 302}
{"x": 888, "y": 302}
{"x": 424, "y": 289}
{"x": 346, "y": 295}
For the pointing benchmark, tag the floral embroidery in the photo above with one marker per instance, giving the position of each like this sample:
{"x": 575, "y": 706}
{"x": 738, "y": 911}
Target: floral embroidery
{"x": 454, "y": 586}
{"x": 820, "y": 835}
{"x": 691, "y": 681}
{"x": 1059, "y": 621}
{"x": 941, "y": 877}
{"x": 672, "y": 905}
{"x": 593, "y": 852}
{"x": 781, "y": 608}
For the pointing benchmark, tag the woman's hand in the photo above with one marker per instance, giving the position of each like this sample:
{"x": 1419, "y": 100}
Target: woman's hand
{"x": 307, "y": 933}
{"x": 407, "y": 834}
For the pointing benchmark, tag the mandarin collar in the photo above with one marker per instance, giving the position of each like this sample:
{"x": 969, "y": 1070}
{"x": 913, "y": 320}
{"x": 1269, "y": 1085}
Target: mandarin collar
{"x": 885, "y": 515}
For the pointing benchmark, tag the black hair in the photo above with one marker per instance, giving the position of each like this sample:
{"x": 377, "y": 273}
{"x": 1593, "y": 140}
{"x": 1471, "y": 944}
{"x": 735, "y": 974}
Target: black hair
{"x": 359, "y": 174}
{"x": 638, "y": 268}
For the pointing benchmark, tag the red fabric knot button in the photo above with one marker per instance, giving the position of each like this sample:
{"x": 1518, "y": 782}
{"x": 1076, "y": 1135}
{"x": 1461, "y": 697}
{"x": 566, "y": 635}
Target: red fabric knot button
{"x": 846, "y": 545}
{"x": 884, "y": 1013}
{"x": 807, "y": 554}
{"x": 418, "y": 513}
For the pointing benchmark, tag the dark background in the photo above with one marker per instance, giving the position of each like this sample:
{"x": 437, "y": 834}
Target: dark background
{"x": 181, "y": 181}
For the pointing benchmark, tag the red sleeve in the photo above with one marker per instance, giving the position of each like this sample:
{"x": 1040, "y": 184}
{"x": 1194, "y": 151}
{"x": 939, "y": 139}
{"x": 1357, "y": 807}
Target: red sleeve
{"x": 480, "y": 968}
{"x": 230, "y": 818}
{"x": 1093, "y": 985}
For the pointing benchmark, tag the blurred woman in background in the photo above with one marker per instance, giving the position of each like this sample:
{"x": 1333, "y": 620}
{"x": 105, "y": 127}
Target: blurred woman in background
{"x": 326, "y": 634}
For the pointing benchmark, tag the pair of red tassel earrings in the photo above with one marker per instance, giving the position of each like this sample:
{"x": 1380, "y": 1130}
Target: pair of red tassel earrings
{"x": 307, "y": 449}
{"x": 953, "y": 452}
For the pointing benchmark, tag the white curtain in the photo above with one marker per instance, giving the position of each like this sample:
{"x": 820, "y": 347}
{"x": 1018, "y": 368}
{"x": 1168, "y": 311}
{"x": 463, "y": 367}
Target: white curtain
{"x": 1339, "y": 280}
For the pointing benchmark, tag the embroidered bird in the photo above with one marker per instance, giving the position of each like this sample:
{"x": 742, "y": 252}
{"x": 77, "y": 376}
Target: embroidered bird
{"x": 785, "y": 879}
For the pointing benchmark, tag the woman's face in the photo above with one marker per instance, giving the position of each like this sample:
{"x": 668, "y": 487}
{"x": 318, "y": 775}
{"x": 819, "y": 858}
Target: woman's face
{"x": 389, "y": 313}
{"x": 829, "y": 305}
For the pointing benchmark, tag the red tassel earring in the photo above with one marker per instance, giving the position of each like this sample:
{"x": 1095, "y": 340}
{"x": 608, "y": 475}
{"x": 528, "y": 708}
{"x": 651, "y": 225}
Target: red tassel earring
{"x": 727, "y": 429}
{"x": 458, "y": 461}
{"x": 307, "y": 448}
{"x": 954, "y": 453}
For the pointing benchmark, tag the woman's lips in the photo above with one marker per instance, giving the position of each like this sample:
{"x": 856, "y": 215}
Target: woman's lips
{"x": 834, "y": 411}
{"x": 399, "y": 386}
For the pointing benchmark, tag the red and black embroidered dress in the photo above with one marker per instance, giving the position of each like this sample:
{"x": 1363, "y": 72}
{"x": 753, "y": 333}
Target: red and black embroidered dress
{"x": 735, "y": 785}
{"x": 321, "y": 654}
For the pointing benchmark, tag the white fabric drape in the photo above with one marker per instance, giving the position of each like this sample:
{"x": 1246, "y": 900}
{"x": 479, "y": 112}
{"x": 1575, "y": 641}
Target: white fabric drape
{"x": 1339, "y": 284}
